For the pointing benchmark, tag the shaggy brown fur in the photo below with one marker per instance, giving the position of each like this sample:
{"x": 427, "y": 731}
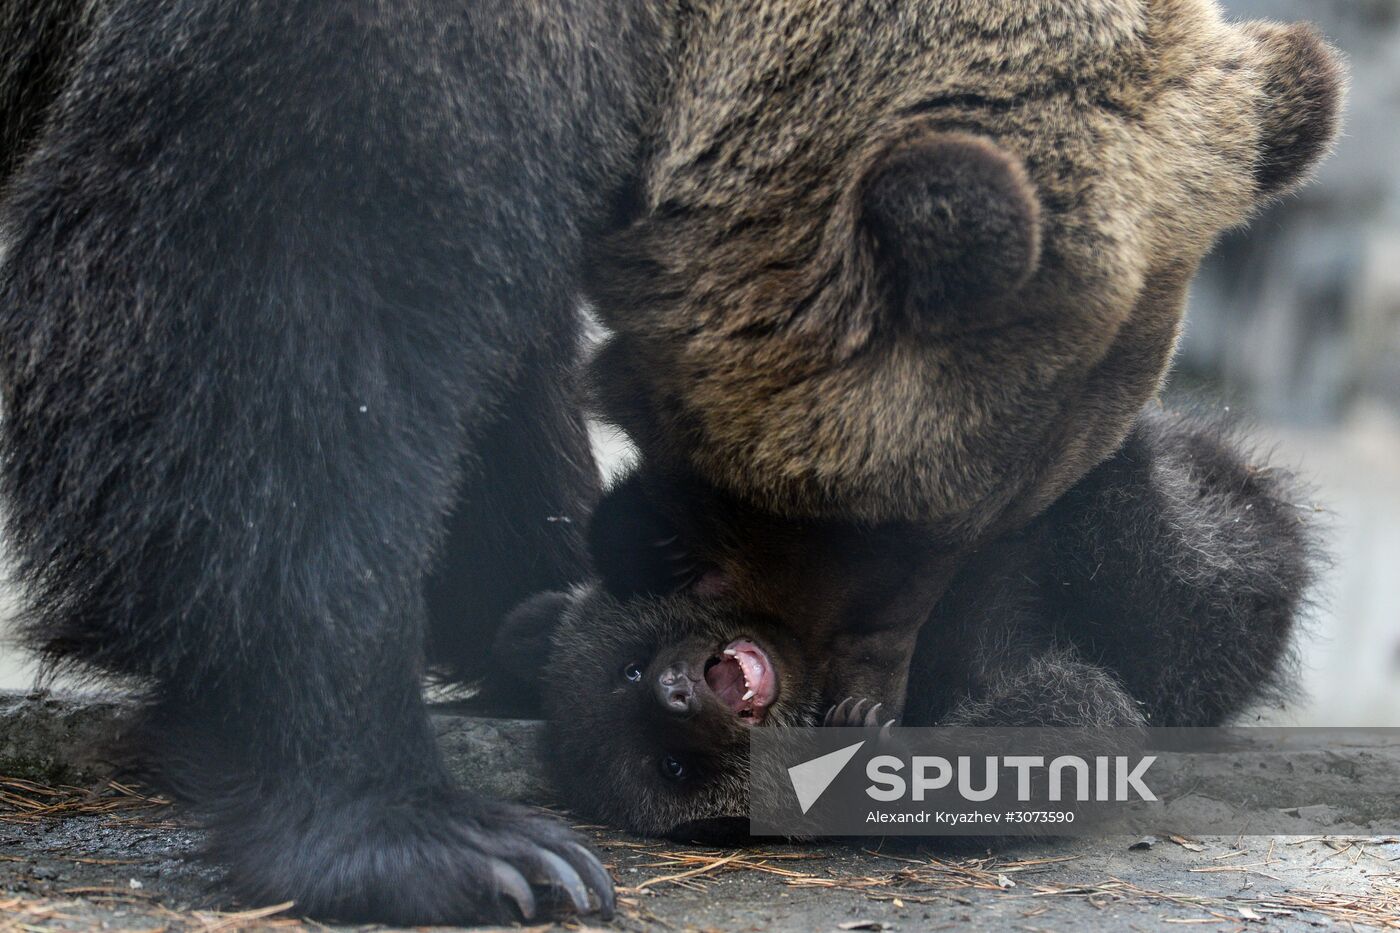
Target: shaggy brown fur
{"x": 935, "y": 285}
{"x": 938, "y": 280}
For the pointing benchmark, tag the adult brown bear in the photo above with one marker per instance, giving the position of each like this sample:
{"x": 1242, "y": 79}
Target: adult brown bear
{"x": 286, "y": 310}
{"x": 938, "y": 308}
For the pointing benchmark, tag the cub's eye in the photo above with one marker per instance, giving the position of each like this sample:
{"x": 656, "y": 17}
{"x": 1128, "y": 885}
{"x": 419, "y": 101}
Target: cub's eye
{"x": 673, "y": 769}
{"x": 633, "y": 673}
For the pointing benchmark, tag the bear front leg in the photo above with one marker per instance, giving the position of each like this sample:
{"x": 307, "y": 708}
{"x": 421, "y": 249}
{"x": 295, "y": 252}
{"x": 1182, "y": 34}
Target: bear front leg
{"x": 243, "y": 369}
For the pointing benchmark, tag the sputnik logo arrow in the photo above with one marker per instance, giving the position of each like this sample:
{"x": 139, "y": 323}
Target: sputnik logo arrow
{"x": 811, "y": 779}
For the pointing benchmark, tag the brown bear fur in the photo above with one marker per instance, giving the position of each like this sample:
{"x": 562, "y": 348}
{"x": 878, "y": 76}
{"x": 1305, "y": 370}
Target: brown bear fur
{"x": 782, "y": 334}
{"x": 925, "y": 289}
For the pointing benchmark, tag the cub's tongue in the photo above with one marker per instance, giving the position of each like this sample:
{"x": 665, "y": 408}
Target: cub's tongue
{"x": 744, "y": 679}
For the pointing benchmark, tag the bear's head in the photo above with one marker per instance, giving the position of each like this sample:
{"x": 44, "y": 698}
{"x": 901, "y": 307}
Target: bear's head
{"x": 927, "y": 260}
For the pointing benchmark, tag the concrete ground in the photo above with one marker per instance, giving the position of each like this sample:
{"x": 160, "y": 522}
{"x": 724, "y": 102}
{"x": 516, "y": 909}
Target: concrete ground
{"x": 79, "y": 852}
{"x": 125, "y": 869}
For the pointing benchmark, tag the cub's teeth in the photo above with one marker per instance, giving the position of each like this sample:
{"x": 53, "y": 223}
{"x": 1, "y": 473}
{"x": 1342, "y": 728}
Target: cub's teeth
{"x": 730, "y": 653}
{"x": 748, "y": 696}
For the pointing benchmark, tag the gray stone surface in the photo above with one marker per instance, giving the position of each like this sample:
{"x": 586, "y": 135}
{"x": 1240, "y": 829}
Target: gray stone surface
{"x": 501, "y": 757}
{"x": 62, "y": 738}
{"x": 57, "y": 738}
{"x": 74, "y": 859}
{"x": 131, "y": 872}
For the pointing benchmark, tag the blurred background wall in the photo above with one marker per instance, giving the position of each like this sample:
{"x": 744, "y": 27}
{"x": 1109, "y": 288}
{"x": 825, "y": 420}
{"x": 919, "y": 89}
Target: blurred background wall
{"x": 1295, "y": 325}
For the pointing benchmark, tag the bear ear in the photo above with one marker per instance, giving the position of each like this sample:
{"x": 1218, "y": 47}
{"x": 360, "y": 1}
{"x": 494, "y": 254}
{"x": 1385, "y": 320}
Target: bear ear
{"x": 1304, "y": 83}
{"x": 954, "y": 219}
{"x": 513, "y": 685}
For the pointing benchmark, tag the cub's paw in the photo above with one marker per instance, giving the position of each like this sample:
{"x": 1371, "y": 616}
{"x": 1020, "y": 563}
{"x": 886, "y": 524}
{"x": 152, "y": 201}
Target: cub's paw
{"x": 865, "y": 714}
{"x": 437, "y": 858}
{"x": 676, "y": 567}
{"x": 859, "y": 714}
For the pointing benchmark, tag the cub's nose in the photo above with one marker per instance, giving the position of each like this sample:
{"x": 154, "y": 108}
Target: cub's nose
{"x": 675, "y": 689}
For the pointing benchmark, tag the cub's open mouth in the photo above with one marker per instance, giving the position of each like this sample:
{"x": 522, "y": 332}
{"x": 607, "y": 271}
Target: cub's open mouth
{"x": 744, "y": 679}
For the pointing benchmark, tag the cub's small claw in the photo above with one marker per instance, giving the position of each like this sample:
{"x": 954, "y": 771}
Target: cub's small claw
{"x": 680, "y": 567}
{"x": 872, "y": 718}
{"x": 836, "y": 716}
{"x": 859, "y": 714}
{"x": 854, "y": 713}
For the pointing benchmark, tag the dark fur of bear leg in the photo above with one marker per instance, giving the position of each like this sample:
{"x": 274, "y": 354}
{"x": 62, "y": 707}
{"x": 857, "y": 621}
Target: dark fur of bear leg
{"x": 39, "y": 37}
{"x": 1180, "y": 566}
{"x": 242, "y": 365}
{"x": 344, "y": 807}
{"x": 990, "y": 655}
{"x": 1054, "y": 689}
{"x": 518, "y": 528}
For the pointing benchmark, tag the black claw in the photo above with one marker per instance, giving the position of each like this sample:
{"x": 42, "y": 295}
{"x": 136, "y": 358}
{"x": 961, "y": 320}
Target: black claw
{"x": 596, "y": 877}
{"x": 666, "y": 542}
{"x": 512, "y": 884}
{"x": 561, "y": 874}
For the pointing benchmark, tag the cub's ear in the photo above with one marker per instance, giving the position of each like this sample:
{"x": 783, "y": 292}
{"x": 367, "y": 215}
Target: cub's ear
{"x": 955, "y": 223}
{"x": 1304, "y": 84}
{"x": 523, "y": 640}
{"x": 513, "y": 687}
{"x": 635, "y": 551}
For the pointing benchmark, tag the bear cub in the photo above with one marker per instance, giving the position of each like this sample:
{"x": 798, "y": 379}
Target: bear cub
{"x": 1161, "y": 590}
